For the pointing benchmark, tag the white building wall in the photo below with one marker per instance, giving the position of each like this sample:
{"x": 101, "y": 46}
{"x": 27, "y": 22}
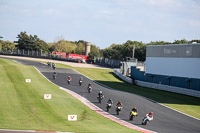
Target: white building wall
{"x": 181, "y": 67}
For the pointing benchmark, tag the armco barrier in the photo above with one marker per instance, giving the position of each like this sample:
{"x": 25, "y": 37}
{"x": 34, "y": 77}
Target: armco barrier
{"x": 159, "y": 86}
{"x": 124, "y": 78}
{"x": 169, "y": 88}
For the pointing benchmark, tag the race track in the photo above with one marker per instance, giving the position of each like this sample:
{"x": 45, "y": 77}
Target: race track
{"x": 165, "y": 120}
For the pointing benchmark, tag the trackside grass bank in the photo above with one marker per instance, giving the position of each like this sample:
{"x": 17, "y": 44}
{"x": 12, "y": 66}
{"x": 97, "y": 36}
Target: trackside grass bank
{"x": 186, "y": 104}
{"x": 22, "y": 105}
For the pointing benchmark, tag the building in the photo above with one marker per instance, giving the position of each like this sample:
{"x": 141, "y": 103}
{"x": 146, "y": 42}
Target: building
{"x": 180, "y": 60}
{"x": 174, "y": 68}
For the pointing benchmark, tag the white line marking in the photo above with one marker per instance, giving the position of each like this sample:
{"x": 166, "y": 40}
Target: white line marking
{"x": 16, "y": 61}
{"x": 85, "y": 100}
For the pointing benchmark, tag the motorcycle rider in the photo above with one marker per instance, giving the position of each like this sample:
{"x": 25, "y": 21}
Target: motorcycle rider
{"x": 119, "y": 107}
{"x": 110, "y": 102}
{"x": 69, "y": 79}
{"x": 54, "y": 75}
{"x": 119, "y": 104}
{"x": 134, "y": 109}
{"x": 53, "y": 65}
{"x": 49, "y": 64}
{"x": 89, "y": 87}
{"x": 147, "y": 118}
{"x": 150, "y": 115}
{"x": 133, "y": 113}
{"x": 100, "y": 94}
{"x": 80, "y": 81}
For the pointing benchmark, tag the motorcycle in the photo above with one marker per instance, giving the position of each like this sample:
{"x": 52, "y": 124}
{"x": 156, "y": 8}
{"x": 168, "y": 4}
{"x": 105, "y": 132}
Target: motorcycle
{"x": 49, "y": 64}
{"x": 146, "y": 120}
{"x": 89, "y": 89}
{"x": 80, "y": 82}
{"x": 108, "y": 106}
{"x": 132, "y": 115}
{"x": 118, "y": 109}
{"x": 100, "y": 98}
{"x": 54, "y": 76}
{"x": 69, "y": 81}
{"x": 54, "y": 67}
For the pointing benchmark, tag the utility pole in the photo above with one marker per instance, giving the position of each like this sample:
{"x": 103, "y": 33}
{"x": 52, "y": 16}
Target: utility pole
{"x": 133, "y": 50}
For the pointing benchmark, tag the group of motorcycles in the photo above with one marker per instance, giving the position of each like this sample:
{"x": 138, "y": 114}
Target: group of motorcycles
{"x": 53, "y": 65}
{"x": 118, "y": 108}
{"x": 100, "y": 97}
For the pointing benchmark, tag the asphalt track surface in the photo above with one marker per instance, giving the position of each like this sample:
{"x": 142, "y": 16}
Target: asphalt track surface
{"x": 165, "y": 119}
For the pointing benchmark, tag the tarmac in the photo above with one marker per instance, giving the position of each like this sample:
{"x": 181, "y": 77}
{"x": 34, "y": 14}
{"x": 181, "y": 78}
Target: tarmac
{"x": 165, "y": 120}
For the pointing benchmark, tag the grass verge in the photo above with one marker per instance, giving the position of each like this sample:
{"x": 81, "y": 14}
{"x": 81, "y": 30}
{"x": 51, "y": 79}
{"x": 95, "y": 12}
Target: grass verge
{"x": 22, "y": 105}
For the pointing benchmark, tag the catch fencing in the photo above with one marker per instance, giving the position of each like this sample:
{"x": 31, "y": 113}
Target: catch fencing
{"x": 36, "y": 54}
{"x": 41, "y": 54}
{"x": 107, "y": 62}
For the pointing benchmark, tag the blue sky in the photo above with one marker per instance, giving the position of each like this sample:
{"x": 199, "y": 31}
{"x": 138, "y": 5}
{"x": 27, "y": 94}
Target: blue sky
{"x": 101, "y": 22}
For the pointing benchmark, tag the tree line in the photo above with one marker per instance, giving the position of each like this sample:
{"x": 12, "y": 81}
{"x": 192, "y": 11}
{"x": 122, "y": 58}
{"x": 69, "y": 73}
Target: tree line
{"x": 115, "y": 51}
{"x": 121, "y": 51}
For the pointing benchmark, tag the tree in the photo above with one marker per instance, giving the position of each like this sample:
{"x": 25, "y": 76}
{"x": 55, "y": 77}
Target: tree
{"x": 30, "y": 42}
{"x": 94, "y": 52}
{"x": 7, "y": 45}
{"x": 192, "y": 41}
{"x": 113, "y": 52}
{"x": 1, "y": 44}
{"x": 140, "y": 52}
{"x": 159, "y": 43}
{"x": 24, "y": 41}
{"x": 62, "y": 46}
{"x": 41, "y": 45}
{"x": 183, "y": 41}
{"x": 80, "y": 47}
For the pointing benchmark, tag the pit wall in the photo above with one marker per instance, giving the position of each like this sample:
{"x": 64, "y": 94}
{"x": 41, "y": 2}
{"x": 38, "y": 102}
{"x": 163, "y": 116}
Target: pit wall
{"x": 187, "y": 86}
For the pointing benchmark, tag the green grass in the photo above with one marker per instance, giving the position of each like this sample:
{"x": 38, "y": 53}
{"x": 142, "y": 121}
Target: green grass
{"x": 22, "y": 105}
{"x": 186, "y": 104}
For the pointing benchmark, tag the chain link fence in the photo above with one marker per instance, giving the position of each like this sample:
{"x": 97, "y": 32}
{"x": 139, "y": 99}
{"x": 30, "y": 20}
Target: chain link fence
{"x": 107, "y": 62}
{"x": 112, "y": 63}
